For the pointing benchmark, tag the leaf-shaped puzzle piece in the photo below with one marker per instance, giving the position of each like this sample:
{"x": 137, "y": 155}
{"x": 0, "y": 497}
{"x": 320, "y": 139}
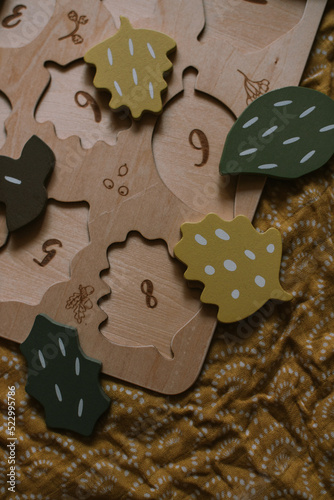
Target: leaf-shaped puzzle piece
{"x": 238, "y": 266}
{"x": 62, "y": 378}
{"x": 131, "y": 65}
{"x": 286, "y": 133}
{"x": 22, "y": 182}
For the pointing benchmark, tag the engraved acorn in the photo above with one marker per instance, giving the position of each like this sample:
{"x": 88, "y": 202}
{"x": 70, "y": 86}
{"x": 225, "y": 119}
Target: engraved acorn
{"x": 131, "y": 65}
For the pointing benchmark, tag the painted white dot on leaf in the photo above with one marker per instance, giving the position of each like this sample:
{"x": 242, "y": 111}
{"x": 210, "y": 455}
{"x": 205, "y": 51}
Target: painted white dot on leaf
{"x": 260, "y": 281}
{"x": 80, "y": 407}
{"x": 267, "y": 166}
{"x": 291, "y": 141}
{"x": 209, "y": 270}
{"x": 134, "y": 76}
{"x": 250, "y": 122}
{"x": 248, "y": 152}
{"x": 308, "y": 156}
{"x": 151, "y": 51}
{"x": 235, "y": 294}
{"x": 220, "y": 233}
{"x": 230, "y": 265}
{"x": 282, "y": 103}
{"x": 270, "y": 131}
{"x": 77, "y": 366}
{"x": 271, "y": 248}
{"x": 13, "y": 180}
{"x": 41, "y": 358}
{"x": 61, "y": 346}
{"x": 307, "y": 112}
{"x": 58, "y": 393}
{"x": 200, "y": 239}
{"x": 327, "y": 129}
{"x": 131, "y": 46}
{"x": 118, "y": 88}
{"x": 110, "y": 59}
{"x": 250, "y": 254}
{"x": 151, "y": 90}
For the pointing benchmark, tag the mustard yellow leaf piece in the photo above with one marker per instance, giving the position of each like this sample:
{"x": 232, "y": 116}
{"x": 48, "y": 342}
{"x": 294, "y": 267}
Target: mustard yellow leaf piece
{"x": 131, "y": 65}
{"x": 238, "y": 266}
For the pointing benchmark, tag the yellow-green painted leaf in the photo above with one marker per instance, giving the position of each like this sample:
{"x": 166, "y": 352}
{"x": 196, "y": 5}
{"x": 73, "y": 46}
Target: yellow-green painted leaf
{"x": 286, "y": 133}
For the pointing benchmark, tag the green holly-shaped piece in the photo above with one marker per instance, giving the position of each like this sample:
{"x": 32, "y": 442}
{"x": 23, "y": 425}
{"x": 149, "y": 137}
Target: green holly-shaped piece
{"x": 286, "y": 133}
{"x": 62, "y": 378}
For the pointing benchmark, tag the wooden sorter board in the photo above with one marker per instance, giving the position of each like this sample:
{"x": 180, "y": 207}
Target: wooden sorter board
{"x": 121, "y": 189}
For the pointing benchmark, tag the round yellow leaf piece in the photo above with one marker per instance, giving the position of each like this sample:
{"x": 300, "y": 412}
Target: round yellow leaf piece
{"x": 131, "y": 65}
{"x": 238, "y": 266}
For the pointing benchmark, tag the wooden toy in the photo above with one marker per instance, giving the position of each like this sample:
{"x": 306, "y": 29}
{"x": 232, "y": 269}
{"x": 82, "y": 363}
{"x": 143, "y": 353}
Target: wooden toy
{"x": 238, "y": 266}
{"x": 136, "y": 207}
{"x": 22, "y": 183}
{"x": 285, "y": 133}
{"x": 62, "y": 378}
{"x": 131, "y": 66}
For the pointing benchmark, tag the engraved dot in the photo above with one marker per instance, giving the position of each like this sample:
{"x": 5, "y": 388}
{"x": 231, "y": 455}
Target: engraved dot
{"x": 230, "y": 265}
{"x": 260, "y": 281}
{"x": 209, "y": 270}
{"x": 271, "y": 248}
{"x": 235, "y": 294}
{"x": 220, "y": 233}
{"x": 250, "y": 254}
{"x": 200, "y": 239}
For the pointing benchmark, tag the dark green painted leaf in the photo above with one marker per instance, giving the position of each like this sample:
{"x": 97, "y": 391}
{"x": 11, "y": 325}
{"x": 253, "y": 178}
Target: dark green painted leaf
{"x": 285, "y": 133}
{"x": 62, "y": 378}
{"x": 22, "y": 182}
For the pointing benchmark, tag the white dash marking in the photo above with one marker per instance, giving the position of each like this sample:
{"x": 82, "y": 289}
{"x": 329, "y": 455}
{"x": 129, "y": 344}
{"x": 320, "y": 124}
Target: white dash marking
{"x": 307, "y": 112}
{"x": 327, "y": 129}
{"x": 131, "y": 46}
{"x": 308, "y": 156}
{"x": 260, "y": 281}
{"x": 209, "y": 270}
{"x": 110, "y": 59}
{"x": 151, "y": 51}
{"x": 118, "y": 88}
{"x": 12, "y": 180}
{"x": 291, "y": 141}
{"x": 61, "y": 346}
{"x": 271, "y": 248}
{"x": 282, "y": 103}
{"x": 200, "y": 239}
{"x": 151, "y": 90}
{"x": 235, "y": 294}
{"x": 250, "y": 122}
{"x": 58, "y": 393}
{"x": 248, "y": 152}
{"x": 41, "y": 358}
{"x": 250, "y": 254}
{"x": 270, "y": 131}
{"x": 267, "y": 166}
{"x": 220, "y": 233}
{"x": 134, "y": 76}
{"x": 80, "y": 407}
{"x": 230, "y": 265}
{"x": 77, "y": 366}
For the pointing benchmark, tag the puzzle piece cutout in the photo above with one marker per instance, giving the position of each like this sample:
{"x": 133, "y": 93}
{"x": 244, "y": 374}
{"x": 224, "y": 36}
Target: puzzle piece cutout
{"x": 238, "y": 266}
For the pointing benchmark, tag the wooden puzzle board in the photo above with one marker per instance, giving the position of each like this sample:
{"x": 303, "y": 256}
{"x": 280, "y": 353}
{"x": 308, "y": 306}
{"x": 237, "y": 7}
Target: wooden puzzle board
{"x": 121, "y": 189}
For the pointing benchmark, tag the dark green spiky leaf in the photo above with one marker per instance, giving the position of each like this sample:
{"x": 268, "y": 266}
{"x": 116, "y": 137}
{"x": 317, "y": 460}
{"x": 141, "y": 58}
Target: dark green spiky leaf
{"x": 286, "y": 133}
{"x": 62, "y": 378}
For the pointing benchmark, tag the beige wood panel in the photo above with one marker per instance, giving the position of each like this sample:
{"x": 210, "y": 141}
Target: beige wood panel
{"x": 125, "y": 189}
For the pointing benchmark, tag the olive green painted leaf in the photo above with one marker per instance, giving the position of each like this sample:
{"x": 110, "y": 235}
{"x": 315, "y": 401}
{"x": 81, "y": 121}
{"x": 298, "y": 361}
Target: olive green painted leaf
{"x": 62, "y": 378}
{"x": 286, "y": 133}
